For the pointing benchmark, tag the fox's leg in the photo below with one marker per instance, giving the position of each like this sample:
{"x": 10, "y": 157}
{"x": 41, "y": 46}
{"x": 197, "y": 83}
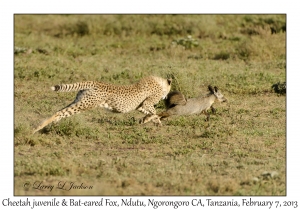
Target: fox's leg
{"x": 213, "y": 110}
{"x": 207, "y": 115}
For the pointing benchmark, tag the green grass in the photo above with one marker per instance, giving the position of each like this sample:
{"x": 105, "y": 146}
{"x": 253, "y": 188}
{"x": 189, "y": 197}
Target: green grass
{"x": 116, "y": 155}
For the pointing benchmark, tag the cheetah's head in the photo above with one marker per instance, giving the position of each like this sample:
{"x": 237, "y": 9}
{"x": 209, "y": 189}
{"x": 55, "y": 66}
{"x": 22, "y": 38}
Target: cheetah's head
{"x": 166, "y": 87}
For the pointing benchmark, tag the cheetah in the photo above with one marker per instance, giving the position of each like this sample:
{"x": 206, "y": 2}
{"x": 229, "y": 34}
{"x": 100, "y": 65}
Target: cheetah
{"x": 177, "y": 104}
{"x": 141, "y": 96}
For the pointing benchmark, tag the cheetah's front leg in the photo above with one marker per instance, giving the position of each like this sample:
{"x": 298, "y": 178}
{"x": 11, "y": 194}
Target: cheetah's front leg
{"x": 148, "y": 109}
{"x": 155, "y": 118}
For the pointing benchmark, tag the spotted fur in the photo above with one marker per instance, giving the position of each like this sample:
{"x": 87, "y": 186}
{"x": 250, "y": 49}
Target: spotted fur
{"x": 141, "y": 96}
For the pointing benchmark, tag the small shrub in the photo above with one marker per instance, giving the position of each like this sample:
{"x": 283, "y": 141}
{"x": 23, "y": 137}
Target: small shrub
{"x": 187, "y": 43}
{"x": 122, "y": 75}
{"x": 249, "y": 31}
{"x": 79, "y": 28}
{"x": 207, "y": 134}
{"x": 221, "y": 56}
{"x": 19, "y": 50}
{"x": 235, "y": 38}
{"x": 169, "y": 29}
{"x": 126, "y": 122}
{"x": 279, "y": 87}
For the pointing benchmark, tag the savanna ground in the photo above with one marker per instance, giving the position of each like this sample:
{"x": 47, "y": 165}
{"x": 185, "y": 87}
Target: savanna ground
{"x": 242, "y": 151}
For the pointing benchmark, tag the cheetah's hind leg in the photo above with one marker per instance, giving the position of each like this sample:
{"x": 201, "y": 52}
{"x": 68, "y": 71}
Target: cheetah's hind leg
{"x": 65, "y": 112}
{"x": 81, "y": 103}
{"x": 45, "y": 123}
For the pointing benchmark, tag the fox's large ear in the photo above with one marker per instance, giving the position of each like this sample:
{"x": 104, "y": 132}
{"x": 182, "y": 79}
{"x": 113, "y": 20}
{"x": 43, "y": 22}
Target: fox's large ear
{"x": 169, "y": 81}
{"x": 210, "y": 88}
{"x": 216, "y": 89}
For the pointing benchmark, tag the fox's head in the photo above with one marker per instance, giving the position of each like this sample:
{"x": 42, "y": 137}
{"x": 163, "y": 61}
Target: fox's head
{"x": 217, "y": 93}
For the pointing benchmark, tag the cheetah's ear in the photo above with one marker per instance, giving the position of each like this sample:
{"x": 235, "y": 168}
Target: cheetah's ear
{"x": 210, "y": 88}
{"x": 216, "y": 89}
{"x": 169, "y": 81}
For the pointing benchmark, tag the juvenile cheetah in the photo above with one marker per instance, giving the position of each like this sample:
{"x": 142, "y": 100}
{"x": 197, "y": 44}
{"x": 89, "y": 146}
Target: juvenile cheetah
{"x": 177, "y": 104}
{"x": 141, "y": 96}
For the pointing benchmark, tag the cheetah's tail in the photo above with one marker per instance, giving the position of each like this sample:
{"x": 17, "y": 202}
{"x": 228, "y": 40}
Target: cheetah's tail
{"x": 73, "y": 87}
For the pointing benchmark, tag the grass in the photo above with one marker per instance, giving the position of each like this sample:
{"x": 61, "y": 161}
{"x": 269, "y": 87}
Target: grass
{"x": 244, "y": 55}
